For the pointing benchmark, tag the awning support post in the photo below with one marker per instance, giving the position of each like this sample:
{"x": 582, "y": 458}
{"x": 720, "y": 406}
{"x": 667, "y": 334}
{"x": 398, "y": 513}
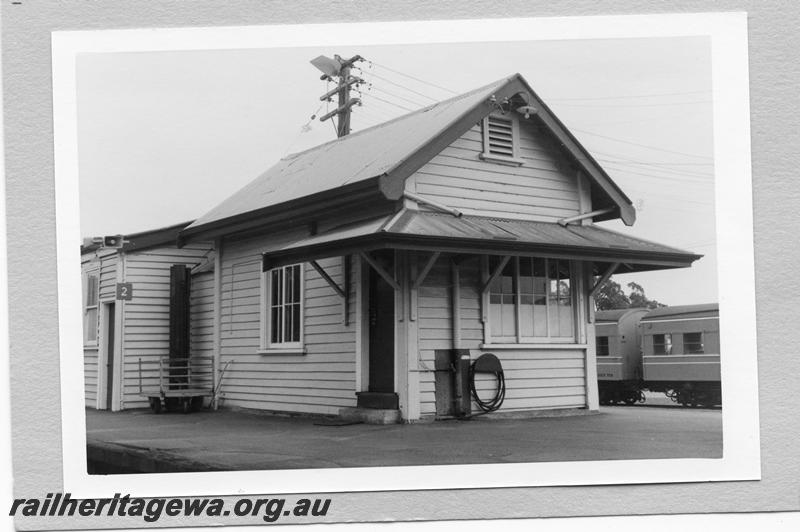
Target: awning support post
{"x": 605, "y": 277}
{"x": 328, "y": 279}
{"x": 456, "y": 303}
{"x": 383, "y": 273}
{"x": 347, "y": 268}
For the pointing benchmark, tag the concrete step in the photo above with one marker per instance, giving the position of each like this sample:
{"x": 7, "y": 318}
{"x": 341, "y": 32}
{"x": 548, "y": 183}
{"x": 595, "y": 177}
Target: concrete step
{"x": 370, "y": 416}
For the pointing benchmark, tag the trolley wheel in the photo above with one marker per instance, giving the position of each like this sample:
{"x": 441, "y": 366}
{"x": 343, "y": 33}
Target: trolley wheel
{"x": 155, "y": 405}
{"x": 630, "y": 400}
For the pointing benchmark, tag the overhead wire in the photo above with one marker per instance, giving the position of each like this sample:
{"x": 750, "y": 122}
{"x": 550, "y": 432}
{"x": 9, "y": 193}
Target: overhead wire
{"x": 660, "y": 104}
{"x": 412, "y": 77}
{"x": 623, "y": 141}
{"x": 431, "y": 98}
{"x": 395, "y": 95}
{"x": 702, "y": 177}
{"x": 629, "y": 96}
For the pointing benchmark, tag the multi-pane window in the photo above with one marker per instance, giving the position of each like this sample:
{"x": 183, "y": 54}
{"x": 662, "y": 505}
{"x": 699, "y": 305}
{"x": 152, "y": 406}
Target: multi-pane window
{"x": 90, "y": 308}
{"x": 531, "y": 299}
{"x": 662, "y": 344}
{"x": 285, "y": 293}
{"x": 602, "y": 346}
{"x": 693, "y": 343}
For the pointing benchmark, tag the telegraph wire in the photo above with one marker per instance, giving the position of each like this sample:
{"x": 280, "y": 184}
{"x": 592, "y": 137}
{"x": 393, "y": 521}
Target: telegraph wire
{"x": 412, "y": 77}
{"x": 431, "y": 98}
{"x": 395, "y": 95}
{"x": 592, "y": 133}
{"x": 629, "y": 105}
{"x": 369, "y": 95}
{"x": 628, "y": 96}
{"x": 673, "y": 179}
{"x": 668, "y": 171}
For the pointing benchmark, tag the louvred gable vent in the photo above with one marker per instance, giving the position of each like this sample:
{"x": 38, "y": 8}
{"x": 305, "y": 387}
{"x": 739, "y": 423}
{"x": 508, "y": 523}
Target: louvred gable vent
{"x": 501, "y": 136}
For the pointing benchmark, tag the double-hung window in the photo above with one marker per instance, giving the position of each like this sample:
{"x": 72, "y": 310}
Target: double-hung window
{"x": 531, "y": 301}
{"x": 283, "y": 308}
{"x": 90, "y": 290}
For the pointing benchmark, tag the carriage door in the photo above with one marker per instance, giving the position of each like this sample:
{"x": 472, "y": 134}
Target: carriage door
{"x": 381, "y": 329}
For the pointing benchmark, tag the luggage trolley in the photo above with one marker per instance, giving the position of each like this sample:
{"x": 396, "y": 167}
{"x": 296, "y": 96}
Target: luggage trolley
{"x": 183, "y": 383}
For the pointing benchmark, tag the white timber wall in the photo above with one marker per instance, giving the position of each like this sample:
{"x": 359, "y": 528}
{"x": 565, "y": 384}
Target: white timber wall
{"x": 104, "y": 265}
{"x": 319, "y": 381}
{"x": 543, "y": 188}
{"x": 145, "y": 330}
{"x": 535, "y": 378}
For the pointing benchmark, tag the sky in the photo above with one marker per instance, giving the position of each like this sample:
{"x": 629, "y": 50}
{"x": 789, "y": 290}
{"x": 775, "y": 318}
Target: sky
{"x": 165, "y": 136}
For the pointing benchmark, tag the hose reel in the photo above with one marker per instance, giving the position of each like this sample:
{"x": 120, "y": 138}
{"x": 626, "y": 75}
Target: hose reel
{"x": 488, "y": 363}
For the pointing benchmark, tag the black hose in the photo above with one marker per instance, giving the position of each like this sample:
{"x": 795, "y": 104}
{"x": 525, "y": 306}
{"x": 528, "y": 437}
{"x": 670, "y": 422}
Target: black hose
{"x": 500, "y": 393}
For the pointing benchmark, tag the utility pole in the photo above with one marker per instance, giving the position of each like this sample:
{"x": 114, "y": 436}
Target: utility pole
{"x": 340, "y": 69}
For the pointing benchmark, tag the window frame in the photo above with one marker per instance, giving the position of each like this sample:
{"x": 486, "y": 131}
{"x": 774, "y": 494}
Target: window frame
{"x": 93, "y": 273}
{"x": 487, "y": 155}
{"x": 607, "y": 346}
{"x": 668, "y": 345}
{"x": 702, "y": 343}
{"x": 267, "y": 346}
{"x": 518, "y": 339}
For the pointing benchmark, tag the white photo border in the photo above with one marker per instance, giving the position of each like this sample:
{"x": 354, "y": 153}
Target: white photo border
{"x": 731, "y": 129}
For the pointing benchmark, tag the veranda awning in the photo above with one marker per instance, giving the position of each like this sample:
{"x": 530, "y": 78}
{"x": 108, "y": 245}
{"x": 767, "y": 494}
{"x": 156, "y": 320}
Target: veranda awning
{"x": 435, "y": 231}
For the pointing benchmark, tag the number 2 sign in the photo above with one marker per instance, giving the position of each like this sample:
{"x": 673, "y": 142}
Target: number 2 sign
{"x": 125, "y": 291}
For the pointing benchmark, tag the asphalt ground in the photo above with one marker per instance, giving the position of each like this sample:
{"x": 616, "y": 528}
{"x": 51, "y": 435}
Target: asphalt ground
{"x": 224, "y": 440}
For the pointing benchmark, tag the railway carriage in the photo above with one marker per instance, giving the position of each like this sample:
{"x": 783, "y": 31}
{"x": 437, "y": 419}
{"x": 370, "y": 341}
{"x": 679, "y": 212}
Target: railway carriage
{"x": 619, "y": 357}
{"x": 674, "y": 350}
{"x": 681, "y": 354}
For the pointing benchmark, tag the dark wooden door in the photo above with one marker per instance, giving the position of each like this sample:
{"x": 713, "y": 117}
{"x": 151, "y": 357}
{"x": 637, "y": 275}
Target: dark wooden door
{"x": 180, "y": 278}
{"x": 381, "y": 329}
{"x": 110, "y": 316}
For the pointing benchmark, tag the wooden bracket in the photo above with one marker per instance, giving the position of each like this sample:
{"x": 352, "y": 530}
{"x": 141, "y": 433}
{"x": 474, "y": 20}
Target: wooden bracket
{"x": 328, "y": 279}
{"x": 605, "y": 277}
{"x": 383, "y": 273}
{"x": 494, "y": 274}
{"x": 425, "y": 269}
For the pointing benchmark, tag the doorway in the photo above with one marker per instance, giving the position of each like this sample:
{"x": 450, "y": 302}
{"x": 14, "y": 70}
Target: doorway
{"x": 109, "y": 341}
{"x": 381, "y": 337}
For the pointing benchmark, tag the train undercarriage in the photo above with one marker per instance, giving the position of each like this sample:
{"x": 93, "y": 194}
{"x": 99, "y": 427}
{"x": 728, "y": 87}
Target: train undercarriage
{"x": 692, "y": 394}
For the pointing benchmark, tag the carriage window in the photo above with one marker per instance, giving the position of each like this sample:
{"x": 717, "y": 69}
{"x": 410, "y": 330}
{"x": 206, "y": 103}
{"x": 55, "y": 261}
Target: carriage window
{"x": 531, "y": 300}
{"x": 693, "y": 343}
{"x": 90, "y": 308}
{"x": 662, "y": 344}
{"x": 602, "y": 346}
{"x": 285, "y": 306}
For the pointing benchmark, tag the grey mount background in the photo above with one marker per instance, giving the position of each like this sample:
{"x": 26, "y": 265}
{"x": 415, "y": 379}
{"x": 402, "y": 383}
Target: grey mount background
{"x": 33, "y": 328}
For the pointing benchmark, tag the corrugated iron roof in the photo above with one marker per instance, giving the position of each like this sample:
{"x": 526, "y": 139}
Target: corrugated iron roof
{"x": 705, "y": 310}
{"x": 530, "y": 232}
{"x": 421, "y": 229}
{"x": 390, "y": 152}
{"x": 361, "y": 155}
